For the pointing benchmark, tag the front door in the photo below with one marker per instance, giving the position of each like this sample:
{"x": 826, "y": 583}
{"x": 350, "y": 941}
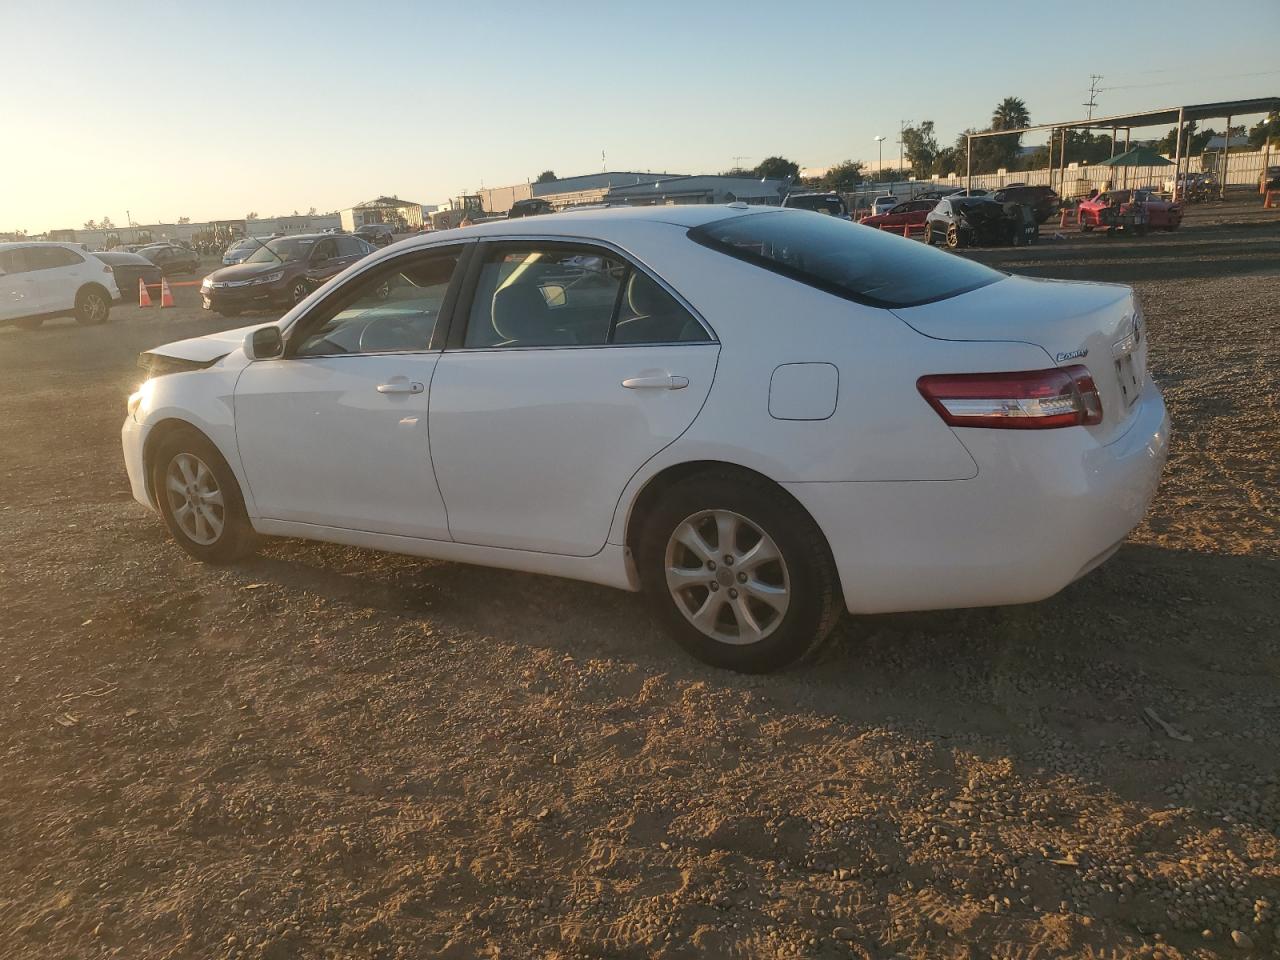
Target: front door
{"x": 20, "y": 289}
{"x": 574, "y": 369}
{"x": 336, "y": 432}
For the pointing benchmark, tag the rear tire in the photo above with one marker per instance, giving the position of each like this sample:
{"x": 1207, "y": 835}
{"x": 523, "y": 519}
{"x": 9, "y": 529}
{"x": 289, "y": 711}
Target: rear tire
{"x": 954, "y": 241}
{"x": 199, "y": 499}
{"x": 762, "y": 614}
{"x": 92, "y": 306}
{"x": 928, "y": 235}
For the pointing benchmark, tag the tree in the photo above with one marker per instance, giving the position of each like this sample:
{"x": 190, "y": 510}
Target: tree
{"x": 777, "y": 168}
{"x": 921, "y": 148}
{"x": 311, "y": 212}
{"x": 184, "y": 220}
{"x": 1193, "y": 143}
{"x": 252, "y": 215}
{"x": 91, "y": 225}
{"x": 1011, "y": 113}
{"x": 546, "y": 176}
{"x": 106, "y": 223}
{"x": 1265, "y": 129}
{"x": 844, "y": 177}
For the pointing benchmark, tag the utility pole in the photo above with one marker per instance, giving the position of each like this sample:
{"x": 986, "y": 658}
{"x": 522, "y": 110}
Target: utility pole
{"x": 1093, "y": 93}
{"x": 902, "y": 125}
{"x": 737, "y": 161}
{"x": 880, "y": 167}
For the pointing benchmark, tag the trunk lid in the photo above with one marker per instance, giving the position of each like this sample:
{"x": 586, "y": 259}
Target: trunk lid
{"x": 1098, "y": 325}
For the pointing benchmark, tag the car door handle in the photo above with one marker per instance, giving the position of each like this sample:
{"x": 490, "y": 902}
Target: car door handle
{"x": 656, "y": 383}
{"x": 401, "y": 386}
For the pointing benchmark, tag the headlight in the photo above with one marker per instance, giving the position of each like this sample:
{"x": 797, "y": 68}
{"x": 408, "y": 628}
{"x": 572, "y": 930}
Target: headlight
{"x": 206, "y": 283}
{"x": 270, "y": 277}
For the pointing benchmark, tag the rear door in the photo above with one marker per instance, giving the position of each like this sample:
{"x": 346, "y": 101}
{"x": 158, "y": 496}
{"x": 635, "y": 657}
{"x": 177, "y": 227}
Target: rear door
{"x": 572, "y": 368}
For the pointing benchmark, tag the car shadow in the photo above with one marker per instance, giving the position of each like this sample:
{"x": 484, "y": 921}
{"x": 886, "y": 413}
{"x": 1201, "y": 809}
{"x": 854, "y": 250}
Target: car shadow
{"x": 1060, "y": 688}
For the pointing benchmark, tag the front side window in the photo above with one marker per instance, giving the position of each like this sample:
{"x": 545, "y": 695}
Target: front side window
{"x": 390, "y": 310}
{"x": 283, "y": 250}
{"x": 14, "y": 261}
{"x": 556, "y": 295}
{"x": 845, "y": 259}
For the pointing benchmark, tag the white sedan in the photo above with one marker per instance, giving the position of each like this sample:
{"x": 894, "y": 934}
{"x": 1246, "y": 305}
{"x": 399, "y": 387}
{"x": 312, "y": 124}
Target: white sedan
{"x": 757, "y": 416}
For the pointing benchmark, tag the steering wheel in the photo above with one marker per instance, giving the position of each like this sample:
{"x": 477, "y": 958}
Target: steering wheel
{"x": 394, "y": 332}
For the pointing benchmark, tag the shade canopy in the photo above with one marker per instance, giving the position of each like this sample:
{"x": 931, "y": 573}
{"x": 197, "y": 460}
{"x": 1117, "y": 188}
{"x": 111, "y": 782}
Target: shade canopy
{"x": 1137, "y": 157}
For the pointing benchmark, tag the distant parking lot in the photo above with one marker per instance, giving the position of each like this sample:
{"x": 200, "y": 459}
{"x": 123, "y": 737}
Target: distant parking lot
{"x": 327, "y": 751}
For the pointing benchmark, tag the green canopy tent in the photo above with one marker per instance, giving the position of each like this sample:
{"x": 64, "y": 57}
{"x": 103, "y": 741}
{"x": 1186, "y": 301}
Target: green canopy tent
{"x": 1137, "y": 157}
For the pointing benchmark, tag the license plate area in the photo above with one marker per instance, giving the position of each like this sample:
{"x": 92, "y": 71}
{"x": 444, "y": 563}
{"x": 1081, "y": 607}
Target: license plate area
{"x": 1130, "y": 378}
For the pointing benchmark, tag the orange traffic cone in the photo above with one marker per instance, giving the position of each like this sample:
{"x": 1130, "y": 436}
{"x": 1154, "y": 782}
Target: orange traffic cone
{"x": 1266, "y": 201}
{"x": 144, "y": 298}
{"x": 1062, "y": 221}
{"x": 906, "y": 230}
{"x": 166, "y": 295}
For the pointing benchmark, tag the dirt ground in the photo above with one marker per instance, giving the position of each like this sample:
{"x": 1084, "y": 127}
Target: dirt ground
{"x": 326, "y": 752}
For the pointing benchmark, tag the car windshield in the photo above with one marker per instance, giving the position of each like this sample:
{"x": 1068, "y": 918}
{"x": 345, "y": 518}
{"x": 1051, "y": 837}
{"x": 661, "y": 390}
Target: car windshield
{"x": 286, "y": 248}
{"x": 845, "y": 259}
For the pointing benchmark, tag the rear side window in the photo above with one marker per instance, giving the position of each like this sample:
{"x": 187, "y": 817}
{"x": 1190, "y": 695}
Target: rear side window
{"x": 851, "y": 261}
{"x": 553, "y": 295}
{"x": 49, "y": 258}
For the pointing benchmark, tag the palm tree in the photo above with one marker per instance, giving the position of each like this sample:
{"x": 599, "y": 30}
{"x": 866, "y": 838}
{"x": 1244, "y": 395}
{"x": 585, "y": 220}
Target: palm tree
{"x": 1011, "y": 113}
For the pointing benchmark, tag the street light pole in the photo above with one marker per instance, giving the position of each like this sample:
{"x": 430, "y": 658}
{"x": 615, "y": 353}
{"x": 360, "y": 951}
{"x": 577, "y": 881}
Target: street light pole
{"x": 902, "y": 125}
{"x": 880, "y": 165}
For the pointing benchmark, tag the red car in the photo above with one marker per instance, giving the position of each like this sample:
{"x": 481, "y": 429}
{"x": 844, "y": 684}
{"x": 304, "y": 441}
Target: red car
{"x": 1119, "y": 208}
{"x": 910, "y": 213}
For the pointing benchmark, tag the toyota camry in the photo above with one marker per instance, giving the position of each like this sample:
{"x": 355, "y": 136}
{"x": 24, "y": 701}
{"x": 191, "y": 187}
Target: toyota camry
{"x": 760, "y": 417}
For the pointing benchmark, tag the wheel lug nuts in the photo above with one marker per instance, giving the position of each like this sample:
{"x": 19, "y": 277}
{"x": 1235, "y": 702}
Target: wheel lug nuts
{"x": 714, "y": 586}
{"x": 728, "y": 560}
{"x": 733, "y": 594}
{"x": 711, "y": 564}
{"x": 742, "y": 578}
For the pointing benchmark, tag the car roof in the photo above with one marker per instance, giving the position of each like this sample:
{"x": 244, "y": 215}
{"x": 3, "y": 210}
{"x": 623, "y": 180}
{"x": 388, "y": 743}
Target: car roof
{"x": 121, "y": 256}
{"x": 14, "y": 244}
{"x": 608, "y": 224}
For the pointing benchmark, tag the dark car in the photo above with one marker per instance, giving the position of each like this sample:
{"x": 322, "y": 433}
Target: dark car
{"x": 1043, "y": 200}
{"x": 129, "y": 268}
{"x": 171, "y": 258}
{"x": 530, "y": 207}
{"x": 281, "y": 272}
{"x": 831, "y": 204}
{"x": 978, "y": 221}
{"x": 377, "y": 234}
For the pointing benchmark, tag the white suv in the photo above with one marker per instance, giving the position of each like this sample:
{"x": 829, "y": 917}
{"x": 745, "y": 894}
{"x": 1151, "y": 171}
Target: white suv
{"x": 42, "y": 280}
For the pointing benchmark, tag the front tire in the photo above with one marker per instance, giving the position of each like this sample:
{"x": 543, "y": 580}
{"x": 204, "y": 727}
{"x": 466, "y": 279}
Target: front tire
{"x": 928, "y": 235}
{"x": 299, "y": 292}
{"x": 739, "y": 573}
{"x": 200, "y": 500}
{"x": 92, "y": 306}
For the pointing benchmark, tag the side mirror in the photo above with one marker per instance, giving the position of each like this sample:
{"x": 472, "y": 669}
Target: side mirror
{"x": 265, "y": 343}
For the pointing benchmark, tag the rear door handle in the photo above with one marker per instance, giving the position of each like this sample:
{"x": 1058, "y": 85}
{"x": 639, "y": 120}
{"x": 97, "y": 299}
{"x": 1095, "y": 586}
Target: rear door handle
{"x": 656, "y": 383}
{"x": 401, "y": 386}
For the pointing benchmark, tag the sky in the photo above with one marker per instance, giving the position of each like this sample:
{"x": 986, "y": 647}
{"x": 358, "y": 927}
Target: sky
{"x": 213, "y": 110}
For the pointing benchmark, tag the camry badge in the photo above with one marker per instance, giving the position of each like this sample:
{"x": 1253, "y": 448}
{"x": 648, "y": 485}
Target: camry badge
{"x": 1071, "y": 355}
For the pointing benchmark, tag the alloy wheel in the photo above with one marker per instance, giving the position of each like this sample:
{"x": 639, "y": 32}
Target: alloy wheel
{"x": 727, "y": 577}
{"x": 195, "y": 499}
{"x": 95, "y": 308}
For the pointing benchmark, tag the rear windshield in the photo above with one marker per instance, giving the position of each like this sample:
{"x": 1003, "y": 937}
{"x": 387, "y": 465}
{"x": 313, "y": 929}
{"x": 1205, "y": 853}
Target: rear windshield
{"x": 851, "y": 261}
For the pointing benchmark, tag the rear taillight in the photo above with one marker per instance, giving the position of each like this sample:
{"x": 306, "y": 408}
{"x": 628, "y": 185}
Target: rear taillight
{"x": 1030, "y": 400}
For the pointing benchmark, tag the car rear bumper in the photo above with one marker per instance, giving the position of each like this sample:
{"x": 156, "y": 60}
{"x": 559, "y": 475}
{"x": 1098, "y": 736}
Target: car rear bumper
{"x": 1055, "y": 505}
